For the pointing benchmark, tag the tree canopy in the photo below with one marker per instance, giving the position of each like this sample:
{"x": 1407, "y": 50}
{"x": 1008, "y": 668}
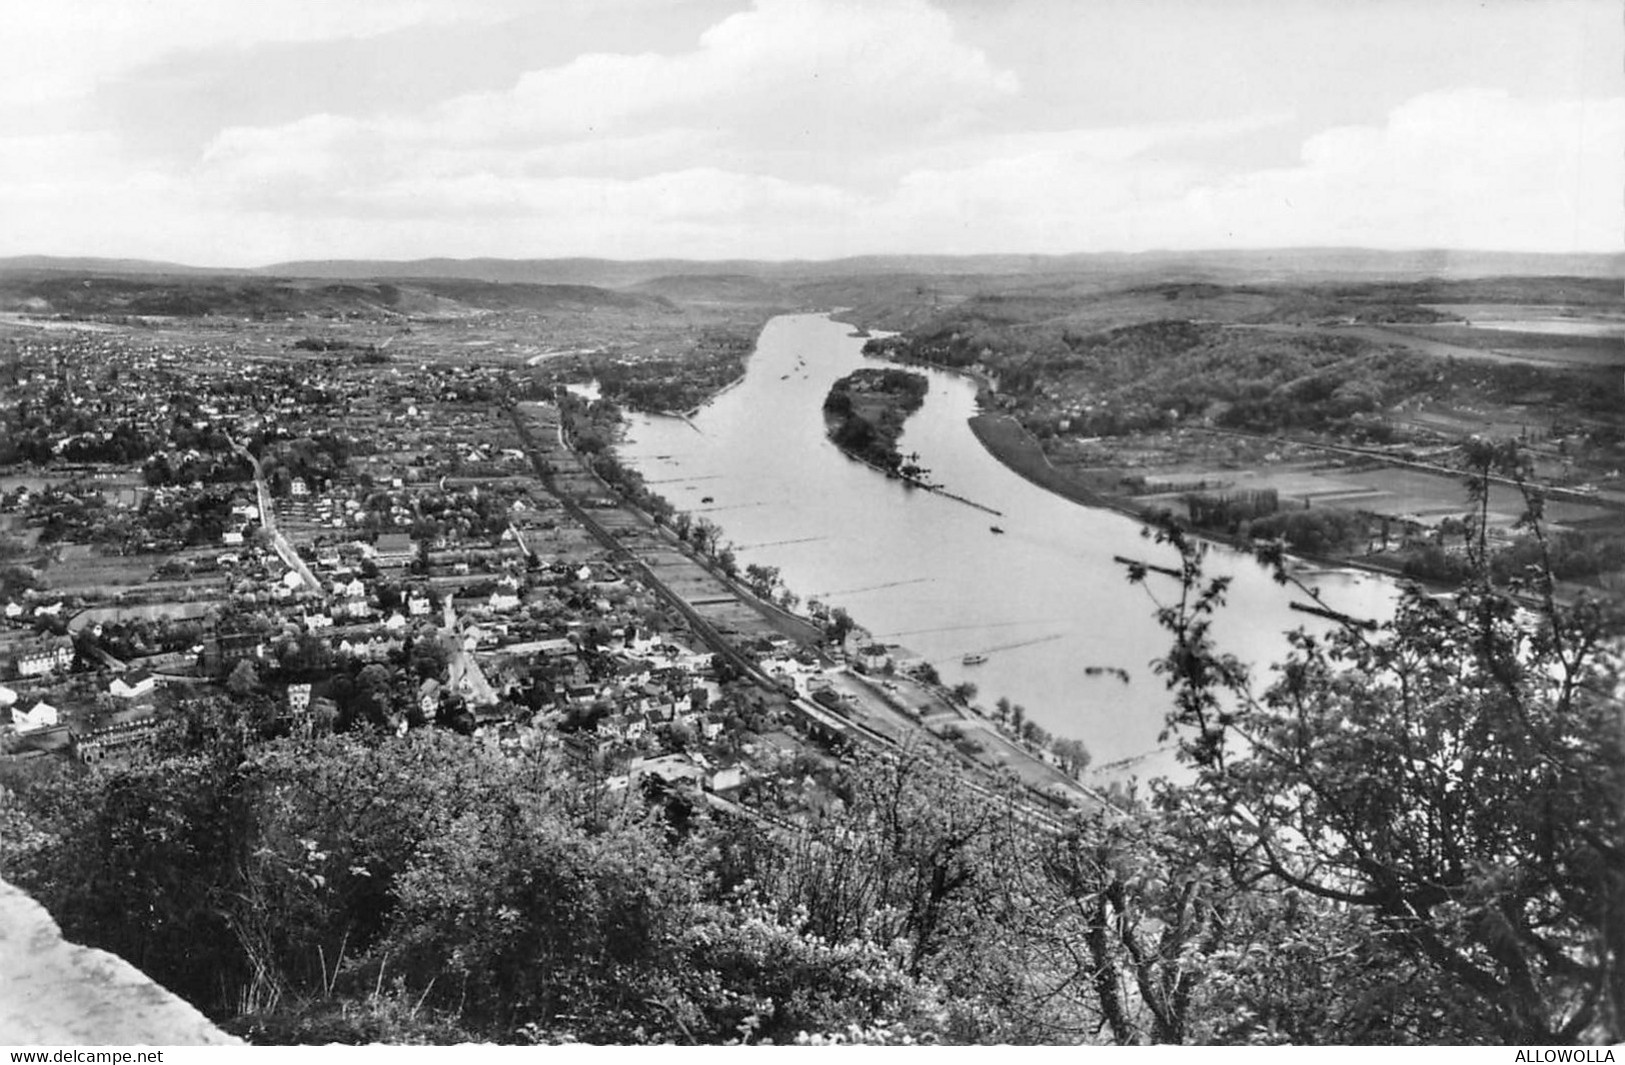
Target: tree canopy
{"x": 1407, "y": 832}
{"x": 1457, "y": 776}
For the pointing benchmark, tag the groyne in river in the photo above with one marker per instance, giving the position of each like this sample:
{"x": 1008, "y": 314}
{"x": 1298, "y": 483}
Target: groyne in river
{"x": 922, "y": 570}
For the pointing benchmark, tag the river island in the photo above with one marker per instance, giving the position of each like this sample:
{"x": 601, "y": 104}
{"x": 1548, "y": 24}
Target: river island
{"x": 866, "y": 409}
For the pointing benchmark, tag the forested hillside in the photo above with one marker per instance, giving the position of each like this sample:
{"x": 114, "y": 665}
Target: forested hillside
{"x": 193, "y": 296}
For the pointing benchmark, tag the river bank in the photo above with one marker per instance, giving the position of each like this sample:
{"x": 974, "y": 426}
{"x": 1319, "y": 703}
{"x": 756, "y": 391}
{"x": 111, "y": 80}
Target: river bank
{"x": 710, "y": 399}
{"x": 1008, "y": 442}
{"x": 916, "y": 482}
{"x": 1034, "y": 607}
{"x": 881, "y": 720}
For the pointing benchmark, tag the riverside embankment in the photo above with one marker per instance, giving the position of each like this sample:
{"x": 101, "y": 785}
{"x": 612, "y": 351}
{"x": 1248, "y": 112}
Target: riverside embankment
{"x": 1045, "y": 601}
{"x": 725, "y": 616}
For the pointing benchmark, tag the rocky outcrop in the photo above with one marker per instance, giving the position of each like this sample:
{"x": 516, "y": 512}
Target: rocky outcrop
{"x": 57, "y": 993}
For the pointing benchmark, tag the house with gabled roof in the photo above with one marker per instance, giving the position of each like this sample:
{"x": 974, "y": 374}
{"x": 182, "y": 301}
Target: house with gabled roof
{"x": 352, "y": 607}
{"x": 134, "y": 685}
{"x": 726, "y": 778}
{"x": 41, "y": 715}
{"x": 44, "y": 655}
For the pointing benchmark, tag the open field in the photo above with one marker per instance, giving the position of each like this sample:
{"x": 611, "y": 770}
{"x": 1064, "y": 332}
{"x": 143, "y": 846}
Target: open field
{"x": 188, "y": 609}
{"x": 78, "y": 568}
{"x": 1396, "y": 492}
{"x": 1557, "y": 319}
{"x": 1452, "y": 340}
{"x": 1389, "y": 491}
{"x": 1012, "y": 445}
{"x": 1463, "y": 420}
{"x": 34, "y": 482}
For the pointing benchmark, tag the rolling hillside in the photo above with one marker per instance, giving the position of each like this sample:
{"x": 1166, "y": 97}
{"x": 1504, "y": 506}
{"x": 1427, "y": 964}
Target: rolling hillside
{"x": 70, "y": 293}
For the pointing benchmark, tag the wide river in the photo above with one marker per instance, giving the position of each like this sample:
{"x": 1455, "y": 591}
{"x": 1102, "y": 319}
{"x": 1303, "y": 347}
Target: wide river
{"x": 1044, "y": 601}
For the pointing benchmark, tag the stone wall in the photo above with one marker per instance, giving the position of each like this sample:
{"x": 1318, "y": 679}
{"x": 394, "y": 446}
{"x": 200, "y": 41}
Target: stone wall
{"x": 55, "y": 993}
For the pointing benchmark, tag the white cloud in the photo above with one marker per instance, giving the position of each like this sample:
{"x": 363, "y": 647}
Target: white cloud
{"x": 1470, "y": 168}
{"x": 802, "y": 129}
{"x": 785, "y": 71}
{"x": 55, "y": 50}
{"x": 1466, "y": 169}
{"x": 761, "y": 90}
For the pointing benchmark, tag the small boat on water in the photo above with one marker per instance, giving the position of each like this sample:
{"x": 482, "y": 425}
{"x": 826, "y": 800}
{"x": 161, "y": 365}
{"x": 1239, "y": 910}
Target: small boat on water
{"x": 706, "y": 499}
{"x": 973, "y": 660}
{"x": 995, "y": 528}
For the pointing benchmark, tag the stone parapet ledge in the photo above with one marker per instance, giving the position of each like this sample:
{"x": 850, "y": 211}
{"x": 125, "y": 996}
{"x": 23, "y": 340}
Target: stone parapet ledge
{"x": 56, "y": 993}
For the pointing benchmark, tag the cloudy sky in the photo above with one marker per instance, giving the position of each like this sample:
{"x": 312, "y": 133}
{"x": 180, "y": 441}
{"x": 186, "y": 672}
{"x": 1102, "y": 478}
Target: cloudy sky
{"x": 243, "y": 132}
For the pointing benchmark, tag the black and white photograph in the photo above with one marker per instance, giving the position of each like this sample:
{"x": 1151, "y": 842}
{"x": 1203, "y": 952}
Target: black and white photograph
{"x": 869, "y": 523}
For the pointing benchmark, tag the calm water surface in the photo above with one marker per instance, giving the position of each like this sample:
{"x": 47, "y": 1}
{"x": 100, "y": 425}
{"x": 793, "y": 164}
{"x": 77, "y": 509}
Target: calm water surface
{"x": 1044, "y": 601}
{"x": 1553, "y": 326}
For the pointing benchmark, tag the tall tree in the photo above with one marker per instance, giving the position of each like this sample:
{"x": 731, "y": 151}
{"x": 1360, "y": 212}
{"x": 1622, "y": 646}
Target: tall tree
{"x": 1458, "y": 774}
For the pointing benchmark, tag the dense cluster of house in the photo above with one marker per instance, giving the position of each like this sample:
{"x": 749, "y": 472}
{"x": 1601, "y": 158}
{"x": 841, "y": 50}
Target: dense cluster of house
{"x": 417, "y": 521}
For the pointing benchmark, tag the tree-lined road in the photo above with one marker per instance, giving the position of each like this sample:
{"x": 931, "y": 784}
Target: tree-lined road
{"x": 279, "y": 542}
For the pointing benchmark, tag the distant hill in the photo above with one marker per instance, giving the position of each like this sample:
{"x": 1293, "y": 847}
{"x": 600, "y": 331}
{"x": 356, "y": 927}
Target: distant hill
{"x": 1261, "y": 265}
{"x": 714, "y": 288}
{"x": 495, "y": 295}
{"x": 92, "y": 265}
{"x": 1330, "y": 264}
{"x": 734, "y": 278}
{"x": 605, "y": 273}
{"x": 78, "y": 292}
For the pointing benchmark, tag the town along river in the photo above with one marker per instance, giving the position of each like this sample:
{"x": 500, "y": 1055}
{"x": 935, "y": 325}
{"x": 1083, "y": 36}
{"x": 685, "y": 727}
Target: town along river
{"x": 1044, "y": 600}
